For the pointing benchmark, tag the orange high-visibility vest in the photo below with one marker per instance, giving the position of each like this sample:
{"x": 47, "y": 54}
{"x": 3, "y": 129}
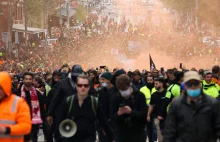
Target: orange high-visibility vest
{"x": 14, "y": 113}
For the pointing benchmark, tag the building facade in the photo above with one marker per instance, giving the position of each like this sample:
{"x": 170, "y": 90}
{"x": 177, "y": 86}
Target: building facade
{"x": 6, "y": 12}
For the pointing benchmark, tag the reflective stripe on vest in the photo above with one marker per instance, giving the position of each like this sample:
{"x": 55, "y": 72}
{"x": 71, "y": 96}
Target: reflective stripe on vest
{"x": 14, "y": 105}
{"x": 9, "y": 136}
{"x": 12, "y": 122}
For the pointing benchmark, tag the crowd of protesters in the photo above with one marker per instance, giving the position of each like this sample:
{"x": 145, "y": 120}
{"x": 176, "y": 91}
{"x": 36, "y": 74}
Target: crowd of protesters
{"x": 132, "y": 106}
{"x": 92, "y": 42}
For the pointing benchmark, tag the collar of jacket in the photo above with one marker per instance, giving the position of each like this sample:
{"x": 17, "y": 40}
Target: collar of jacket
{"x": 73, "y": 84}
{"x": 135, "y": 90}
{"x": 175, "y": 82}
{"x": 69, "y": 76}
{"x": 206, "y": 85}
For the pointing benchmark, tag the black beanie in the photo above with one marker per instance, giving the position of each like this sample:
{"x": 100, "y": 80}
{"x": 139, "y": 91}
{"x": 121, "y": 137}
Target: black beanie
{"x": 119, "y": 72}
{"x": 107, "y": 75}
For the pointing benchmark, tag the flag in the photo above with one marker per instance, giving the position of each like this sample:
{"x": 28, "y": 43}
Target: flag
{"x": 152, "y": 65}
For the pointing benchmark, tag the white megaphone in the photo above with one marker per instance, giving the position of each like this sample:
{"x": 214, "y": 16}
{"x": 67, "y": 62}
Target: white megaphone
{"x": 67, "y": 128}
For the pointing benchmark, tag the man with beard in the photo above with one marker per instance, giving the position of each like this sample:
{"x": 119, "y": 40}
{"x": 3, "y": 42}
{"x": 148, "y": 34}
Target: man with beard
{"x": 39, "y": 85}
{"x": 137, "y": 80}
{"x": 15, "y": 83}
{"x": 148, "y": 90}
{"x": 156, "y": 101}
{"x": 66, "y": 88}
{"x": 94, "y": 78}
{"x": 35, "y": 101}
{"x": 172, "y": 92}
{"x": 216, "y": 75}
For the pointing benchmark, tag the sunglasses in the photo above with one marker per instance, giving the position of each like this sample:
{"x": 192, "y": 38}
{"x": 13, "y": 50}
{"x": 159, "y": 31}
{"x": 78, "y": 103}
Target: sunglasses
{"x": 83, "y": 85}
{"x": 190, "y": 84}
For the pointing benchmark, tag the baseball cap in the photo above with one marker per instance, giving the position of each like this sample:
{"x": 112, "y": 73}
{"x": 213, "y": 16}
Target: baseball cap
{"x": 77, "y": 70}
{"x": 191, "y": 75}
{"x": 207, "y": 72}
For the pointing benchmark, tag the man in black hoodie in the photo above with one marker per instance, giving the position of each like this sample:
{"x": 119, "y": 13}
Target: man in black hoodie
{"x": 66, "y": 88}
{"x": 54, "y": 84}
{"x": 128, "y": 112}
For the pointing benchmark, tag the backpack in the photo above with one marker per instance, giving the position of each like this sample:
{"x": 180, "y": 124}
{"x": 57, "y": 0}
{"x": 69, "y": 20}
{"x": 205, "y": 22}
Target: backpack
{"x": 94, "y": 102}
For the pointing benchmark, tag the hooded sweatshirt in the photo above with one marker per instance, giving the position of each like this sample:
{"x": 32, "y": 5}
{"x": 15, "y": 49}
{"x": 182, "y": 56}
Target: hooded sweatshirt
{"x": 14, "y": 113}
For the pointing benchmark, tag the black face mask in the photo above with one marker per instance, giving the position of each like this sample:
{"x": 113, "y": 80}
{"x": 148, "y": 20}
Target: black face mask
{"x": 74, "y": 78}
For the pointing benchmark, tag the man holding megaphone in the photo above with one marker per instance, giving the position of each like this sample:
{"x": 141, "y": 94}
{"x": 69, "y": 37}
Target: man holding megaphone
{"x": 80, "y": 114}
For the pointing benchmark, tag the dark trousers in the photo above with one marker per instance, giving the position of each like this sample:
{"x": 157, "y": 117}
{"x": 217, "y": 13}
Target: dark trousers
{"x": 33, "y": 136}
{"x": 74, "y": 139}
{"x": 102, "y": 136}
{"x": 131, "y": 137}
{"x": 48, "y": 132}
{"x": 149, "y": 131}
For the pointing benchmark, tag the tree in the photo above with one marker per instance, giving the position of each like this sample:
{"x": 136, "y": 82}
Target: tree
{"x": 35, "y": 10}
{"x": 81, "y": 13}
{"x": 208, "y": 10}
{"x": 179, "y": 5}
{"x": 12, "y": 6}
{"x": 38, "y": 11}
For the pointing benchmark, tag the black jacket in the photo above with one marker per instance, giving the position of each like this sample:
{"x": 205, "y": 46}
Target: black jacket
{"x": 104, "y": 99}
{"x": 85, "y": 119}
{"x": 193, "y": 122}
{"x": 41, "y": 100}
{"x": 50, "y": 96}
{"x": 64, "y": 90}
{"x": 130, "y": 126}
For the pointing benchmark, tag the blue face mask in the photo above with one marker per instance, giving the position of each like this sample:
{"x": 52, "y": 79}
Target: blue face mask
{"x": 194, "y": 93}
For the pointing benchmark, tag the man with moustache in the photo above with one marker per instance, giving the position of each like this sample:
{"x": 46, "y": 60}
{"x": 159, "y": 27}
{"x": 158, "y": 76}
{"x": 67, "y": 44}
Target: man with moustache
{"x": 148, "y": 90}
{"x": 156, "y": 101}
{"x": 35, "y": 101}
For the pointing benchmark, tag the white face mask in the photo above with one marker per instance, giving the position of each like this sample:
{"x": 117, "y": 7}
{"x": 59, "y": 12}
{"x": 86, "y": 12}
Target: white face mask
{"x": 104, "y": 84}
{"x": 125, "y": 93}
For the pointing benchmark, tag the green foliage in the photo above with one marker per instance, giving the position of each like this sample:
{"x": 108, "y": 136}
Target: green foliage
{"x": 38, "y": 9}
{"x": 81, "y": 13}
{"x": 35, "y": 10}
{"x": 180, "y": 5}
{"x": 209, "y": 10}
{"x": 0, "y": 10}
